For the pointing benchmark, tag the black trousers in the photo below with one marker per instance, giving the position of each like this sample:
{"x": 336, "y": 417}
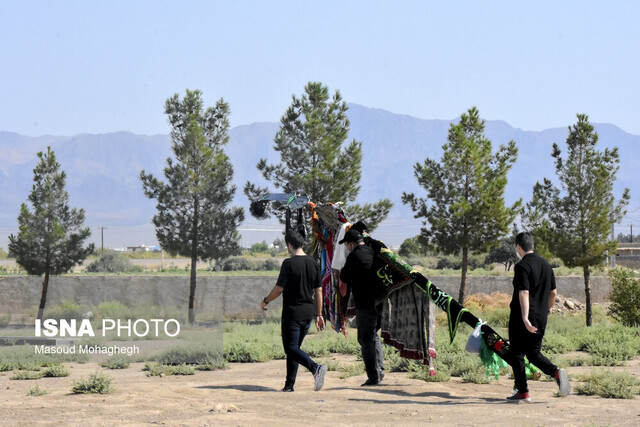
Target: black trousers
{"x": 524, "y": 343}
{"x": 293, "y": 333}
{"x": 369, "y": 321}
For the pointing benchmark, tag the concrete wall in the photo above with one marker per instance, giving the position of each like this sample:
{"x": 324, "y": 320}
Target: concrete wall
{"x": 235, "y": 296}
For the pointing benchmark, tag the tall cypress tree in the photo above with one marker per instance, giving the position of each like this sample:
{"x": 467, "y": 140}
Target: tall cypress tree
{"x": 194, "y": 218}
{"x": 575, "y": 219}
{"x": 315, "y": 160}
{"x": 465, "y": 205}
{"x": 51, "y": 237}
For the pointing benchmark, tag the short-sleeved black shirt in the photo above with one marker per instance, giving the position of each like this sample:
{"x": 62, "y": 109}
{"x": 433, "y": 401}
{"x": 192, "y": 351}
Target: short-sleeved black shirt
{"x": 535, "y": 275}
{"x": 359, "y": 275}
{"x": 299, "y": 276}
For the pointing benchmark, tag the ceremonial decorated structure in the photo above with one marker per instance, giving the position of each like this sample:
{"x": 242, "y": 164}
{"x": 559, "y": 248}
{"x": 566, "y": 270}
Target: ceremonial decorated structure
{"x": 408, "y": 321}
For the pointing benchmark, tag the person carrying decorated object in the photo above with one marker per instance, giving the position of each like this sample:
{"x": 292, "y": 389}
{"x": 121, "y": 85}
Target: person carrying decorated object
{"x": 358, "y": 274}
{"x": 534, "y": 292}
{"x": 300, "y": 284}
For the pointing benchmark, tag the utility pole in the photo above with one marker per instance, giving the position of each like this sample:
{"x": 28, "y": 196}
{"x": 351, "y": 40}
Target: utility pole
{"x": 102, "y": 240}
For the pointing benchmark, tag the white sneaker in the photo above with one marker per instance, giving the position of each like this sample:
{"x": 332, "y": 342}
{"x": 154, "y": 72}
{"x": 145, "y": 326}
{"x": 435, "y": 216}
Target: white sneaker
{"x": 562, "y": 379}
{"x": 318, "y": 377}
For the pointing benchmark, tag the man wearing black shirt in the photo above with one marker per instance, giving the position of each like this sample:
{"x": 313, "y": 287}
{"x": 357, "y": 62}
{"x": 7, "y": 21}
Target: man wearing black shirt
{"x": 298, "y": 282}
{"x": 358, "y": 273}
{"x": 534, "y": 293}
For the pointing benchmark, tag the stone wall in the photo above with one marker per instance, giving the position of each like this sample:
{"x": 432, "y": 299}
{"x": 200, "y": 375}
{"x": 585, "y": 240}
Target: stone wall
{"x": 235, "y": 296}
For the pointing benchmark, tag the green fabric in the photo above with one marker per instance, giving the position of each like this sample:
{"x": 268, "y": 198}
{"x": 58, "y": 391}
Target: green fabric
{"x": 492, "y": 362}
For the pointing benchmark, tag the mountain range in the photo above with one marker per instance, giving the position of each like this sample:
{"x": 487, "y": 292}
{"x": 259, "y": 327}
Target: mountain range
{"x": 102, "y": 170}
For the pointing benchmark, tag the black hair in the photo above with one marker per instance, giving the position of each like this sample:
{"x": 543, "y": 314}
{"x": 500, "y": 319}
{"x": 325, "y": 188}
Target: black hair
{"x": 525, "y": 240}
{"x": 294, "y": 238}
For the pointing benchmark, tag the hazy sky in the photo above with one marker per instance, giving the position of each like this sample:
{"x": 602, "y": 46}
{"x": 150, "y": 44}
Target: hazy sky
{"x": 69, "y": 67}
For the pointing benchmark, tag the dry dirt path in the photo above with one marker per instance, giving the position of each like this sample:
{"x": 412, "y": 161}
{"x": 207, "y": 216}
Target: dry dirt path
{"x": 247, "y": 395}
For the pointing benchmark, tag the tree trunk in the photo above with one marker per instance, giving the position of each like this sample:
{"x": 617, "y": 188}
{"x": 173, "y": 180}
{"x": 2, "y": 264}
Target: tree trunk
{"x": 587, "y": 293}
{"x": 463, "y": 277}
{"x": 43, "y": 296}
{"x": 194, "y": 262}
{"x": 192, "y": 290}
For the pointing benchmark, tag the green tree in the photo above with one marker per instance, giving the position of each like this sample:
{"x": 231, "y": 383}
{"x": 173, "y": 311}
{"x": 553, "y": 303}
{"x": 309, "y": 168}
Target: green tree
{"x": 51, "y": 235}
{"x": 576, "y": 218}
{"x": 315, "y": 161}
{"x": 504, "y": 253}
{"x": 411, "y": 246}
{"x": 259, "y": 247}
{"x": 465, "y": 205}
{"x": 193, "y": 215}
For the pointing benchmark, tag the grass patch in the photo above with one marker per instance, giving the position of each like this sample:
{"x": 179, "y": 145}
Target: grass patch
{"x": 37, "y": 391}
{"x": 97, "y": 382}
{"x": 608, "y": 384}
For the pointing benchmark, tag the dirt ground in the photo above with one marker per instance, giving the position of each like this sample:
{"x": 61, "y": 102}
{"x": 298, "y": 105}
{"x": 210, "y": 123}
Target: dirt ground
{"x": 247, "y": 395}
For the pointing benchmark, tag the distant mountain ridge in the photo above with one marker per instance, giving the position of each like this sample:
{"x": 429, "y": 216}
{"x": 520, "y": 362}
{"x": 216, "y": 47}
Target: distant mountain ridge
{"x": 102, "y": 170}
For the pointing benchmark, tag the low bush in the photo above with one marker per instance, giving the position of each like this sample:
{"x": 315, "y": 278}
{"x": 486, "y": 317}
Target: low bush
{"x": 65, "y": 310}
{"x": 113, "y": 263}
{"x": 96, "y": 383}
{"x": 37, "y": 391}
{"x": 26, "y": 375}
{"x": 57, "y": 371}
{"x": 210, "y": 356}
{"x": 160, "y": 370}
{"x": 614, "y": 342}
{"x": 116, "y": 362}
{"x": 609, "y": 384}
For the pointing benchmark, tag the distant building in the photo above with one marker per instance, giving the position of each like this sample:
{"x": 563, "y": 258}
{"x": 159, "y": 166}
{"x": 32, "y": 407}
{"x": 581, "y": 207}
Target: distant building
{"x": 141, "y": 248}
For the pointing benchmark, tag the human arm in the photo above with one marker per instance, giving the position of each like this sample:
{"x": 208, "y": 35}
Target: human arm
{"x": 552, "y": 298}
{"x": 275, "y": 293}
{"x": 318, "y": 302}
{"x": 523, "y": 296}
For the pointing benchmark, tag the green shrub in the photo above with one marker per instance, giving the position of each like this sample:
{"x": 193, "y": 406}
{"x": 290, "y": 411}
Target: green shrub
{"x": 614, "y": 342}
{"x": 609, "y": 384}
{"x": 555, "y": 343}
{"x": 116, "y": 362}
{"x": 159, "y": 370}
{"x": 57, "y": 371}
{"x": 443, "y": 374}
{"x": 113, "y": 263}
{"x": 65, "y": 310}
{"x": 238, "y": 264}
{"x": 26, "y": 375}
{"x": 269, "y": 265}
{"x": 97, "y": 383}
{"x": 193, "y": 354}
{"x": 37, "y": 391}
{"x": 625, "y": 296}
{"x": 476, "y": 375}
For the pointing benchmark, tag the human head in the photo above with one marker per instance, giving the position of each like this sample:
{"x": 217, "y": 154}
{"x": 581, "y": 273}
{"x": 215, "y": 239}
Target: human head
{"x": 525, "y": 241}
{"x": 294, "y": 238}
{"x": 351, "y": 239}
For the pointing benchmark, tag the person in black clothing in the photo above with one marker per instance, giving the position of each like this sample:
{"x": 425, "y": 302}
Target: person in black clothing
{"x": 534, "y": 293}
{"x": 298, "y": 282}
{"x": 358, "y": 274}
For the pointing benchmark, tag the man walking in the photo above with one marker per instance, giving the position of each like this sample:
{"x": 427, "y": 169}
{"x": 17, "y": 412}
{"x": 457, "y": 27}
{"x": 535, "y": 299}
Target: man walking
{"x": 358, "y": 273}
{"x": 534, "y": 293}
{"x": 299, "y": 281}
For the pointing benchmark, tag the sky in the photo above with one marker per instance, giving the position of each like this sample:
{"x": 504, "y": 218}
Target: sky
{"x": 69, "y": 67}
